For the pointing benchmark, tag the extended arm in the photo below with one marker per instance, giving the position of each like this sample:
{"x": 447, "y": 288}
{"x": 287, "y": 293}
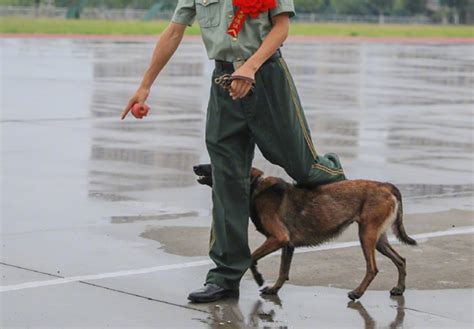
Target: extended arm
{"x": 164, "y": 50}
{"x": 274, "y": 39}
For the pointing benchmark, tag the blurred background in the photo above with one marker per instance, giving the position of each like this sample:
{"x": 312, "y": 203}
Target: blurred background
{"x": 368, "y": 11}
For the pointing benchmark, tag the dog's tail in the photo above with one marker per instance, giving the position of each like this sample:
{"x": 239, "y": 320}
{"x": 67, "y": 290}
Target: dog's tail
{"x": 397, "y": 225}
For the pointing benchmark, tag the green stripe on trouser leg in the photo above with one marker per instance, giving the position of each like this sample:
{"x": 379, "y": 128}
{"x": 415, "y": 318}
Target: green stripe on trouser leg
{"x": 272, "y": 118}
{"x": 281, "y": 132}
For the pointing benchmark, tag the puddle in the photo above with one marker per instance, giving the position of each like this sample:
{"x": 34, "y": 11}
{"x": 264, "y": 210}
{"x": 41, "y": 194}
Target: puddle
{"x": 393, "y": 112}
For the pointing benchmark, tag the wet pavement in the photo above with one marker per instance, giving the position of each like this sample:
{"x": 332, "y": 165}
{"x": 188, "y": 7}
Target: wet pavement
{"x": 113, "y": 205}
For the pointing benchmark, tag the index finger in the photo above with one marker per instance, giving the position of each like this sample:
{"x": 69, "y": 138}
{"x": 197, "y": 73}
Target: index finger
{"x": 233, "y": 86}
{"x": 127, "y": 109}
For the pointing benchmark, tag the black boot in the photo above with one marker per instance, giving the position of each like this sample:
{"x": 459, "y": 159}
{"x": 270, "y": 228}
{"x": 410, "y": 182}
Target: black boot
{"x": 210, "y": 293}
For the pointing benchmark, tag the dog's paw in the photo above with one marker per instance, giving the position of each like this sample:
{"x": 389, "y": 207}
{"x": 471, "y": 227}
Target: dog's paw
{"x": 269, "y": 291}
{"x": 396, "y": 291}
{"x": 353, "y": 295}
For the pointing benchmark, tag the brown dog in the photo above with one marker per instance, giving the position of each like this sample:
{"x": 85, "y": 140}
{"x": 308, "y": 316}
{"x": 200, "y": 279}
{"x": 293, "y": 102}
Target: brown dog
{"x": 291, "y": 217}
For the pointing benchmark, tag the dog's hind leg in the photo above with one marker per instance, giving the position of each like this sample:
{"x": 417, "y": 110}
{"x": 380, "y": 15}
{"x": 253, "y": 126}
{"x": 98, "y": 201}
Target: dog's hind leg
{"x": 286, "y": 256}
{"x": 384, "y": 247}
{"x": 368, "y": 240}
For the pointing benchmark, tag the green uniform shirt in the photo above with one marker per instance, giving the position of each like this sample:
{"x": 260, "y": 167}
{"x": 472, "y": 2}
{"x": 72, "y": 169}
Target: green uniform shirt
{"x": 215, "y": 16}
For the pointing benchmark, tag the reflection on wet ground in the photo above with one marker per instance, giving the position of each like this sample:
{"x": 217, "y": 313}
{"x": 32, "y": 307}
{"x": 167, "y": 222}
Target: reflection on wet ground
{"x": 394, "y": 112}
{"x": 274, "y": 312}
{"x": 401, "y": 106}
{"x": 412, "y": 191}
{"x": 265, "y": 309}
{"x": 165, "y": 216}
{"x": 405, "y": 106}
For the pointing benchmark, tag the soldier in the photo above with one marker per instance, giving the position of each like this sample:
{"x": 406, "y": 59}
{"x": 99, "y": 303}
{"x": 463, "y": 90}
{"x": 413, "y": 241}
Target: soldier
{"x": 261, "y": 107}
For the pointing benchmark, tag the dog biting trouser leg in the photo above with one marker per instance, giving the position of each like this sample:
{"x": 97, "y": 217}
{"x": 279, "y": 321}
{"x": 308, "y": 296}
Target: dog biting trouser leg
{"x": 272, "y": 118}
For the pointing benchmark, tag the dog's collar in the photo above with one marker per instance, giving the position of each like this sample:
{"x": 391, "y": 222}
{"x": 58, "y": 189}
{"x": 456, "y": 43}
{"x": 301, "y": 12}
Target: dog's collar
{"x": 254, "y": 184}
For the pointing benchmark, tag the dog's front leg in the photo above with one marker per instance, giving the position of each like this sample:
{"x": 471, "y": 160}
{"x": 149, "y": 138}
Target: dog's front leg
{"x": 270, "y": 245}
{"x": 256, "y": 274}
{"x": 286, "y": 257}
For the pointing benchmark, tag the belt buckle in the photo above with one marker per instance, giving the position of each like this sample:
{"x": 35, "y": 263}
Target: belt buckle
{"x": 238, "y": 64}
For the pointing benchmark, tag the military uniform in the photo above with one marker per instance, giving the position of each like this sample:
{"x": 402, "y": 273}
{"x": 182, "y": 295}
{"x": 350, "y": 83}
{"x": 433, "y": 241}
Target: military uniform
{"x": 270, "y": 117}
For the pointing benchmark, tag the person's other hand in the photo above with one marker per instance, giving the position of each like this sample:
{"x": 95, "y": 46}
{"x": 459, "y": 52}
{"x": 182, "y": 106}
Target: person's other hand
{"x": 139, "y": 97}
{"x": 240, "y": 88}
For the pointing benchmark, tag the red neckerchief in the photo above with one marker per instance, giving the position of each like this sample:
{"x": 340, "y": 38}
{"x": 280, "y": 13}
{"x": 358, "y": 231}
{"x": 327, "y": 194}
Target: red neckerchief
{"x": 251, "y": 8}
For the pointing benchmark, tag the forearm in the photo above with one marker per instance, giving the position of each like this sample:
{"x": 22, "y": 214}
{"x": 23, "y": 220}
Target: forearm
{"x": 272, "y": 42}
{"x": 274, "y": 39}
{"x": 164, "y": 50}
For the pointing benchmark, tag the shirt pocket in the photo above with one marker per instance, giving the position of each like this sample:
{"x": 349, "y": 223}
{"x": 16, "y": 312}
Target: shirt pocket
{"x": 207, "y": 13}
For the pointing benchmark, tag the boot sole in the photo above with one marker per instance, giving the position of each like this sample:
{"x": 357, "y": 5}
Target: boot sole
{"x": 225, "y": 295}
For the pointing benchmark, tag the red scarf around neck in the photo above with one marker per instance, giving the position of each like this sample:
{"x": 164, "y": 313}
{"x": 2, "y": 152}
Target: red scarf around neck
{"x": 251, "y": 8}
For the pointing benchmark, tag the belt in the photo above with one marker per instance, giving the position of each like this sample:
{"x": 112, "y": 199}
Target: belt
{"x": 229, "y": 66}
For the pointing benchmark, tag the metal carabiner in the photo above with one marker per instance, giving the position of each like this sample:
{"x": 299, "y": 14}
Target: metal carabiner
{"x": 224, "y": 80}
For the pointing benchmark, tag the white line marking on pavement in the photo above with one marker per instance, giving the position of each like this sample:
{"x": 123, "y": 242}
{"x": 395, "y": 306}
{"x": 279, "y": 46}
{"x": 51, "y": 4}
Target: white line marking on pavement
{"x": 331, "y": 246}
{"x": 420, "y": 237}
{"x": 44, "y": 283}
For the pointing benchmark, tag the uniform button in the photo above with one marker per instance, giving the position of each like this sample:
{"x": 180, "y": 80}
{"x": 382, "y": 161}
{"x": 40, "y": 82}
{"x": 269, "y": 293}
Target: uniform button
{"x": 234, "y": 39}
{"x": 204, "y": 1}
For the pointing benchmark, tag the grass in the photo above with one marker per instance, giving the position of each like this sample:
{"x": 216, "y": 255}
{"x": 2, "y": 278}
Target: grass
{"x": 60, "y": 26}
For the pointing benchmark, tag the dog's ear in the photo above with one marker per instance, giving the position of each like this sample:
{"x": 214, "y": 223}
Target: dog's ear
{"x": 254, "y": 173}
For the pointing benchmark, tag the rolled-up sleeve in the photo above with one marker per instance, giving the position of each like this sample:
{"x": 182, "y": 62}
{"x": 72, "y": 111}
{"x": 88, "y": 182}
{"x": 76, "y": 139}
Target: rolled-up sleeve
{"x": 283, "y": 6}
{"x": 185, "y": 12}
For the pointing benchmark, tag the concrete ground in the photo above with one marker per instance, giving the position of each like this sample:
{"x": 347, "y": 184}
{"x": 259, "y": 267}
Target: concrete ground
{"x": 103, "y": 224}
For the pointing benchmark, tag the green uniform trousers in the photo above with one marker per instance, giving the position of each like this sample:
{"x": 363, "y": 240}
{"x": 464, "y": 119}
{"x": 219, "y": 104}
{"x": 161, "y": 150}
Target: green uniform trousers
{"x": 271, "y": 118}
